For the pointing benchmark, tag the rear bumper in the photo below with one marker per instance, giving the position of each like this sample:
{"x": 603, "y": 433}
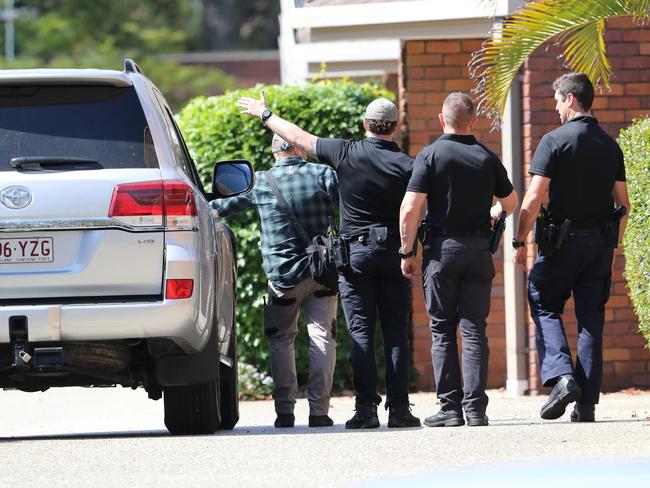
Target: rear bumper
{"x": 172, "y": 319}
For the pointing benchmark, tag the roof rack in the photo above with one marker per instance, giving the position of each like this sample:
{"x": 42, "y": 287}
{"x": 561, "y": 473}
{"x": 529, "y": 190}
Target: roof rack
{"x": 131, "y": 67}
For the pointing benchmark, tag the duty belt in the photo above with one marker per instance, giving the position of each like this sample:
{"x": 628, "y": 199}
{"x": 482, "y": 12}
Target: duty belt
{"x": 585, "y": 229}
{"x": 461, "y": 232}
{"x": 362, "y": 236}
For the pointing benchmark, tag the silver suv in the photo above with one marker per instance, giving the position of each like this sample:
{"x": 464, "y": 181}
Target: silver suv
{"x": 113, "y": 268}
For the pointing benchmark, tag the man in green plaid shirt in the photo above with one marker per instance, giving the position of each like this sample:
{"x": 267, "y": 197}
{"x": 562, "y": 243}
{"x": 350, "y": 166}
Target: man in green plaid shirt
{"x": 311, "y": 192}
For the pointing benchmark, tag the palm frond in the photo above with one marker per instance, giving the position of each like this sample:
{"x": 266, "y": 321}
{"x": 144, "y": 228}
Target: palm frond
{"x": 584, "y": 49}
{"x": 638, "y": 9}
{"x": 576, "y": 24}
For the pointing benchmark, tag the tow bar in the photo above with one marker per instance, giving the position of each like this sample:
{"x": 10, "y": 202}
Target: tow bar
{"x": 40, "y": 358}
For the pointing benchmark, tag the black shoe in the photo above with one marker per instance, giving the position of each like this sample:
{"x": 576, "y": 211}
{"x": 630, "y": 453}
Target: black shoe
{"x": 284, "y": 420}
{"x": 365, "y": 417}
{"x": 399, "y": 415}
{"x": 320, "y": 421}
{"x": 445, "y": 419}
{"x": 565, "y": 391}
{"x": 477, "y": 420}
{"x": 583, "y": 412}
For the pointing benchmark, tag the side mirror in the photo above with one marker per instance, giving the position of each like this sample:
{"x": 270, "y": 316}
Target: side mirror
{"x": 232, "y": 177}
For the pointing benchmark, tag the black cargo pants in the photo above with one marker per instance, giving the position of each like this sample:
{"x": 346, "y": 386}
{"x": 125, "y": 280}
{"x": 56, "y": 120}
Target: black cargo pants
{"x": 457, "y": 273}
{"x": 373, "y": 287}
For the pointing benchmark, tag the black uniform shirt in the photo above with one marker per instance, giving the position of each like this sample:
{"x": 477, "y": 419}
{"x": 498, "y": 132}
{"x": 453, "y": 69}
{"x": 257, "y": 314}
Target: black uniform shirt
{"x": 372, "y": 175}
{"x": 583, "y": 162}
{"x": 460, "y": 176}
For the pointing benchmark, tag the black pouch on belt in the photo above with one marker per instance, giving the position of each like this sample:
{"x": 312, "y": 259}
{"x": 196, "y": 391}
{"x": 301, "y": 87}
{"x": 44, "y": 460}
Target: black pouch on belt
{"x": 378, "y": 239}
{"x": 339, "y": 252}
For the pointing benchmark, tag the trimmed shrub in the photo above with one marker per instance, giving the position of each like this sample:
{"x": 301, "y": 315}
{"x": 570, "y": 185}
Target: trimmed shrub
{"x": 635, "y": 142}
{"x": 214, "y": 130}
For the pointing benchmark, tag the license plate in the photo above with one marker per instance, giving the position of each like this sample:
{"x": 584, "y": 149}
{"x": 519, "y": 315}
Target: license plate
{"x": 27, "y": 250}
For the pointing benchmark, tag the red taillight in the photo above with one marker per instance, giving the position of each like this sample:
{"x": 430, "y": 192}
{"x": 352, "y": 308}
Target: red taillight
{"x": 133, "y": 199}
{"x": 147, "y": 202}
{"x": 178, "y": 289}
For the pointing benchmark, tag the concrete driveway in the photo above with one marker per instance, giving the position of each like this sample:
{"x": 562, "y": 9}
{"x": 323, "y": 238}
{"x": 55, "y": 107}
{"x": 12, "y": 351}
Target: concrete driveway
{"x": 115, "y": 437}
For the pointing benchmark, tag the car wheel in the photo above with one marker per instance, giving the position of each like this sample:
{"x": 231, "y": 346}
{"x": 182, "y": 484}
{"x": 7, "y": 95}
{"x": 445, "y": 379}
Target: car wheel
{"x": 192, "y": 409}
{"x": 229, "y": 386}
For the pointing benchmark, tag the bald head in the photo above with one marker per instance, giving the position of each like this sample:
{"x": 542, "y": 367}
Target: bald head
{"x": 458, "y": 111}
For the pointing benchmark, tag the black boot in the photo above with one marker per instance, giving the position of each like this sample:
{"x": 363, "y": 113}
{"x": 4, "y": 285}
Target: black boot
{"x": 284, "y": 420}
{"x": 365, "y": 417}
{"x": 320, "y": 421}
{"x": 399, "y": 415}
{"x": 565, "y": 391}
{"x": 583, "y": 412}
{"x": 445, "y": 419}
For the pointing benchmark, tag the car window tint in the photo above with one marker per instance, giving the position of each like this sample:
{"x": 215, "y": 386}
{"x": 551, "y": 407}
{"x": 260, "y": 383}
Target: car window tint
{"x": 103, "y": 123}
{"x": 178, "y": 143}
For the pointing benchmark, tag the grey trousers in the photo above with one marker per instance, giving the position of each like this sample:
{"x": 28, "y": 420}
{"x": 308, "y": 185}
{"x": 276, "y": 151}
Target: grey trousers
{"x": 457, "y": 274}
{"x": 281, "y": 327}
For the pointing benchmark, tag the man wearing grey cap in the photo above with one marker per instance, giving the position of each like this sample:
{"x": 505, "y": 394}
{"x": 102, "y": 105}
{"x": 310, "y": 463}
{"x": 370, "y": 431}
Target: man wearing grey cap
{"x": 373, "y": 174}
{"x": 309, "y": 192}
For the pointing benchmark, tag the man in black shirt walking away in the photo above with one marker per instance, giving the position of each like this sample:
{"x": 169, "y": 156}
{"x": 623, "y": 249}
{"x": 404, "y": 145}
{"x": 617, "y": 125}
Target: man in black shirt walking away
{"x": 578, "y": 169}
{"x": 458, "y": 178}
{"x": 373, "y": 174}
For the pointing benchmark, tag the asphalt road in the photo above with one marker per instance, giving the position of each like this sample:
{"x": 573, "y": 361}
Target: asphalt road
{"x": 116, "y": 437}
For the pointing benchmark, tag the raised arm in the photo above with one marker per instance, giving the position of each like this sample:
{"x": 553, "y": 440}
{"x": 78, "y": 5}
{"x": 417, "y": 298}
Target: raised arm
{"x": 289, "y": 131}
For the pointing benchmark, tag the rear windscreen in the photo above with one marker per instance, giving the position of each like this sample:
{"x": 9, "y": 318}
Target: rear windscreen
{"x": 101, "y": 123}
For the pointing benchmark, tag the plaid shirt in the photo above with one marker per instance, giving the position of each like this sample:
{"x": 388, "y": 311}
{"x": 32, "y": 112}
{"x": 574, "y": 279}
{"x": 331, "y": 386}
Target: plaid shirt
{"x": 311, "y": 192}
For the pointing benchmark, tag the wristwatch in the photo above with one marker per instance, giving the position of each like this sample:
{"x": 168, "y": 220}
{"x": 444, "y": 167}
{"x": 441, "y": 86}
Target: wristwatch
{"x": 516, "y": 244}
{"x": 266, "y": 114}
{"x": 404, "y": 255}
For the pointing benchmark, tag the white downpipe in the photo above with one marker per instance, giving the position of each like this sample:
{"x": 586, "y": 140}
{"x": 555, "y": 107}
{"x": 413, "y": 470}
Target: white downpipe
{"x": 513, "y": 278}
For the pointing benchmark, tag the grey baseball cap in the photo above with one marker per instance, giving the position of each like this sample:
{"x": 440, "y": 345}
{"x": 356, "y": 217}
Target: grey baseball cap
{"x": 382, "y": 109}
{"x": 278, "y": 144}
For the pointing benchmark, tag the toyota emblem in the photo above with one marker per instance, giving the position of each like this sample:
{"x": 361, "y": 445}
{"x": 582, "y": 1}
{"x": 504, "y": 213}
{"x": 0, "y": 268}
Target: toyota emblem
{"x": 15, "y": 197}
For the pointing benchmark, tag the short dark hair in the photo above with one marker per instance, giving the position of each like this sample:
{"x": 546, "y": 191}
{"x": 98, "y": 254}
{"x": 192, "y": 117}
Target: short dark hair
{"x": 458, "y": 110}
{"x": 381, "y": 127}
{"x": 579, "y": 85}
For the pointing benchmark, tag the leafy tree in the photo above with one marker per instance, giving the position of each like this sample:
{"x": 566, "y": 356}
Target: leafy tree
{"x": 233, "y": 24}
{"x": 577, "y": 25}
{"x": 100, "y": 34}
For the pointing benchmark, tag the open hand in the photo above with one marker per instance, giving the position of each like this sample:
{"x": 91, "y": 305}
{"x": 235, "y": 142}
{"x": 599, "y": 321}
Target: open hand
{"x": 252, "y": 106}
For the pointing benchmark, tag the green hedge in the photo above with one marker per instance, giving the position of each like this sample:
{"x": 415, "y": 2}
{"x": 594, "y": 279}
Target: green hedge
{"x": 635, "y": 142}
{"x": 214, "y": 130}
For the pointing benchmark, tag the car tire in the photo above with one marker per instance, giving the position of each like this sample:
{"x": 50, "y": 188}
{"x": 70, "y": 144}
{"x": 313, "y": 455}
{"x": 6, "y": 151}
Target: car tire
{"x": 192, "y": 409}
{"x": 229, "y": 386}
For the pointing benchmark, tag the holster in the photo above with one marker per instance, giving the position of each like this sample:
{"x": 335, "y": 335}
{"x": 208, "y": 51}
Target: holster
{"x": 497, "y": 231}
{"x": 425, "y": 234}
{"x": 549, "y": 236}
{"x": 339, "y": 252}
{"x": 612, "y": 227}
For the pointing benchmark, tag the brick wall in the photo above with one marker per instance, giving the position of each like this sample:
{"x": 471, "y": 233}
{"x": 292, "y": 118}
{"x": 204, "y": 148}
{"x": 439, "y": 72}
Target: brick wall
{"x": 626, "y": 362}
{"x": 430, "y": 70}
